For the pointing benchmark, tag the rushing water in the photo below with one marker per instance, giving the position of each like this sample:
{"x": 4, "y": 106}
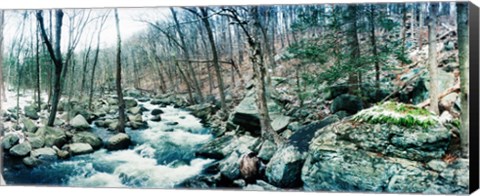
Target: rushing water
{"x": 161, "y": 156}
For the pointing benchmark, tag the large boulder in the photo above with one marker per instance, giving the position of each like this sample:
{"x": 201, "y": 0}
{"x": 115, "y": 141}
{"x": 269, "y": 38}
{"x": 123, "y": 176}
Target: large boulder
{"x": 21, "y": 150}
{"x": 130, "y": 102}
{"x": 36, "y": 142}
{"x": 346, "y": 102}
{"x": 52, "y": 136}
{"x": 89, "y": 138}
{"x": 225, "y": 145}
{"x": 156, "y": 112}
{"x": 373, "y": 152}
{"x": 280, "y": 123}
{"x": 267, "y": 150}
{"x": 118, "y": 142}
{"x": 31, "y": 112}
{"x": 29, "y": 125}
{"x": 79, "y": 123}
{"x": 230, "y": 166}
{"x": 9, "y": 141}
{"x": 78, "y": 148}
{"x": 46, "y": 152}
{"x": 201, "y": 111}
{"x": 246, "y": 116}
{"x": 284, "y": 168}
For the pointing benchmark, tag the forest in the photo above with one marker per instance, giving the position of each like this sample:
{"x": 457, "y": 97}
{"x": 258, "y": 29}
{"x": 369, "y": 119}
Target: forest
{"x": 320, "y": 97}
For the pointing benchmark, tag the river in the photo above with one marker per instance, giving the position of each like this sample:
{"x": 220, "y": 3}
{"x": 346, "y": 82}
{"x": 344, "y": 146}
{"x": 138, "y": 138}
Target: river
{"x": 160, "y": 156}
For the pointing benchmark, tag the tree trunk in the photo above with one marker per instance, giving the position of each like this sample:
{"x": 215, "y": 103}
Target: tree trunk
{"x": 56, "y": 55}
{"x": 463, "y": 58}
{"x": 432, "y": 57}
{"x": 118, "y": 81}
{"x": 374, "y": 47}
{"x": 95, "y": 61}
{"x": 2, "y": 85}
{"x": 404, "y": 29}
{"x": 260, "y": 75}
{"x": 84, "y": 71}
{"x": 420, "y": 25}
{"x": 187, "y": 56}
{"x": 353, "y": 78}
{"x": 216, "y": 64}
{"x": 37, "y": 60}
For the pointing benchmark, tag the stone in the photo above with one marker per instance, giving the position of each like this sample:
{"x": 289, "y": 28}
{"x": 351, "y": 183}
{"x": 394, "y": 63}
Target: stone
{"x": 129, "y": 102}
{"x": 36, "y": 142}
{"x": 135, "y": 110}
{"x": 284, "y": 168}
{"x": 156, "y": 112}
{"x": 79, "y": 122}
{"x": 118, "y": 142}
{"x": 30, "y": 161}
{"x": 52, "y": 136}
{"x": 31, "y": 112}
{"x": 29, "y": 125}
{"x": 156, "y": 118}
{"x": 449, "y": 100}
{"x": 446, "y": 117}
{"x": 9, "y": 141}
{"x": 230, "y": 166}
{"x": 135, "y": 118}
{"x": 43, "y": 152}
{"x": 346, "y": 102}
{"x": 171, "y": 123}
{"x": 201, "y": 111}
{"x": 78, "y": 148}
{"x": 89, "y": 138}
{"x": 21, "y": 150}
{"x": 222, "y": 147}
{"x": 437, "y": 165}
{"x": 280, "y": 122}
{"x": 113, "y": 125}
{"x": 267, "y": 150}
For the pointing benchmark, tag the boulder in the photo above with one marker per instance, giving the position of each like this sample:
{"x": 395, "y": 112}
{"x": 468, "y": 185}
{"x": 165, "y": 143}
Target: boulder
{"x": 118, "y": 142}
{"x": 279, "y": 123}
{"x": 156, "y": 112}
{"x": 201, "y": 111}
{"x": 156, "y": 118}
{"x": 135, "y": 110}
{"x": 36, "y": 142}
{"x": 31, "y": 112}
{"x": 43, "y": 152}
{"x": 246, "y": 116}
{"x": 78, "y": 148}
{"x": 30, "y": 161}
{"x": 346, "y": 102}
{"x": 129, "y": 102}
{"x": 230, "y": 166}
{"x": 135, "y": 118}
{"x": 29, "y": 125}
{"x": 9, "y": 141}
{"x": 79, "y": 123}
{"x": 113, "y": 125}
{"x": 89, "y": 138}
{"x": 21, "y": 150}
{"x": 284, "y": 168}
{"x": 267, "y": 150}
{"x": 138, "y": 125}
{"x": 52, "y": 136}
{"x": 437, "y": 165}
{"x": 225, "y": 145}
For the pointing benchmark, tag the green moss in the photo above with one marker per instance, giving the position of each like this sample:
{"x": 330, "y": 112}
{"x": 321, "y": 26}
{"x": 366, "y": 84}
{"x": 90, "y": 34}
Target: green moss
{"x": 398, "y": 114}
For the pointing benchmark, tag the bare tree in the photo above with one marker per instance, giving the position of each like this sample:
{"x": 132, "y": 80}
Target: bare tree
{"x": 432, "y": 57}
{"x": 95, "y": 59}
{"x": 463, "y": 58}
{"x": 121, "y": 102}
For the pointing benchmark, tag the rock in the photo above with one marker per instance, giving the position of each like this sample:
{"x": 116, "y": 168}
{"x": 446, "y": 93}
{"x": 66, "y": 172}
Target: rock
{"x": 156, "y": 112}
{"x": 43, "y": 152}
{"x": 79, "y": 123}
{"x": 36, "y": 142}
{"x": 229, "y": 167}
{"x": 143, "y": 99}
{"x": 448, "y": 101}
{"x": 9, "y": 141}
{"x": 29, "y": 125}
{"x": 156, "y": 118}
{"x": 30, "y": 161}
{"x": 89, "y": 138}
{"x": 302, "y": 137}
{"x": 349, "y": 103}
{"x": 280, "y": 122}
{"x": 284, "y": 168}
{"x": 118, "y": 142}
{"x": 133, "y": 93}
{"x": 21, "y": 150}
{"x": 294, "y": 126}
{"x": 129, "y": 102}
{"x": 52, "y": 136}
{"x": 446, "y": 117}
{"x": 135, "y": 110}
{"x": 79, "y": 148}
{"x": 171, "y": 123}
{"x": 31, "y": 112}
{"x": 135, "y": 118}
{"x": 139, "y": 125}
{"x": 201, "y": 111}
{"x": 437, "y": 165}
{"x": 267, "y": 150}
{"x": 246, "y": 116}
{"x": 113, "y": 125}
{"x": 225, "y": 145}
